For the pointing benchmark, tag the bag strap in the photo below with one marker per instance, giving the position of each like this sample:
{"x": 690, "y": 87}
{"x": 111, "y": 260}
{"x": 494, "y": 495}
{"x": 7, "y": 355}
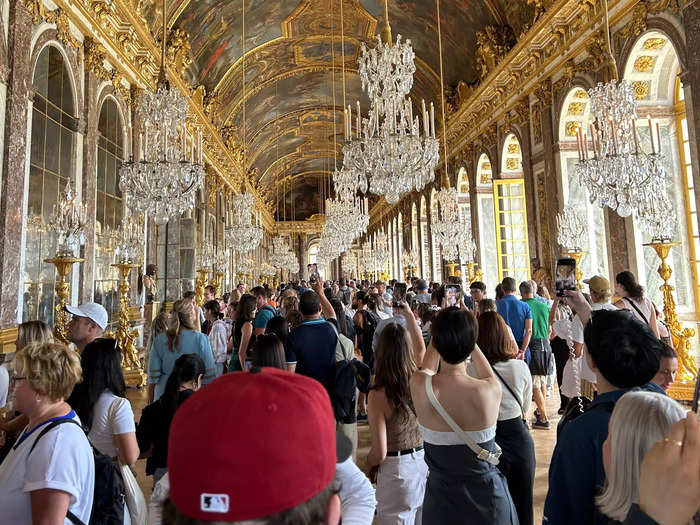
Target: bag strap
{"x": 73, "y": 518}
{"x": 517, "y": 399}
{"x": 481, "y": 453}
{"x": 51, "y": 426}
{"x": 629, "y": 301}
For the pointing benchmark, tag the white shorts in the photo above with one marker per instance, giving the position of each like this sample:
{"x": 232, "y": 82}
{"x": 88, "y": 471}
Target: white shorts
{"x": 539, "y": 381}
{"x": 400, "y": 489}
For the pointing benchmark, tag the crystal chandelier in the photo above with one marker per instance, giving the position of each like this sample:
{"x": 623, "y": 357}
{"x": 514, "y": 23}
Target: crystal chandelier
{"x": 409, "y": 258}
{"x": 242, "y": 235}
{"x": 659, "y": 219}
{"x": 282, "y": 257}
{"x": 453, "y": 234}
{"x": 245, "y": 265}
{"x": 349, "y": 262}
{"x": 162, "y": 178}
{"x": 387, "y": 153}
{"x": 612, "y": 166}
{"x": 205, "y": 256}
{"x": 129, "y": 240}
{"x": 367, "y": 260}
{"x": 345, "y": 221}
{"x": 220, "y": 260}
{"x": 68, "y": 222}
{"x": 381, "y": 251}
{"x": 571, "y": 229}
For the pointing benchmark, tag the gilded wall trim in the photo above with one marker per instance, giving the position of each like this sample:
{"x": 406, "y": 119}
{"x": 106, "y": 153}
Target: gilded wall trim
{"x": 8, "y": 336}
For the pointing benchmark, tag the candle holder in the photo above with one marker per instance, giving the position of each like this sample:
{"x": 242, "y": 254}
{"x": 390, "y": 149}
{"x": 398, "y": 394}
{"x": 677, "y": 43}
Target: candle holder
{"x": 132, "y": 368}
{"x": 473, "y": 273}
{"x": 683, "y": 387}
{"x": 199, "y": 284}
{"x": 451, "y": 268}
{"x": 63, "y": 263}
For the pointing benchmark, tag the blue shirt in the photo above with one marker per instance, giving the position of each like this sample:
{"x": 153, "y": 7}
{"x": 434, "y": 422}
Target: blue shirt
{"x": 263, "y": 317}
{"x": 311, "y": 347}
{"x": 576, "y": 473}
{"x": 161, "y": 360}
{"x": 514, "y": 313}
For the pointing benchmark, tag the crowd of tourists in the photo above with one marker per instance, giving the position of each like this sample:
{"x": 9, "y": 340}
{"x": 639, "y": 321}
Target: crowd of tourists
{"x": 254, "y": 399}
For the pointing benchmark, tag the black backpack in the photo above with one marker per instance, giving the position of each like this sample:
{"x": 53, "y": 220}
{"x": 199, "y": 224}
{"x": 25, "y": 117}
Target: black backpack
{"x": 369, "y": 322}
{"x": 349, "y": 376}
{"x": 108, "y": 501}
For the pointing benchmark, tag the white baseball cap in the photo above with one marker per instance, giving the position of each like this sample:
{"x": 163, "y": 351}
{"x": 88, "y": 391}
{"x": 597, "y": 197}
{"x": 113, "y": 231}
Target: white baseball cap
{"x": 93, "y": 311}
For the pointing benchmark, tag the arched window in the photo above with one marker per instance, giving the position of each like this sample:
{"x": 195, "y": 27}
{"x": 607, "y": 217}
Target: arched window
{"x": 108, "y": 211}
{"x": 435, "y": 254}
{"x": 425, "y": 242}
{"x": 414, "y": 229}
{"x": 575, "y": 113}
{"x": 487, "y": 222}
{"x": 653, "y": 68}
{"x": 399, "y": 246}
{"x": 52, "y": 166}
{"x": 313, "y": 252}
{"x": 511, "y": 214}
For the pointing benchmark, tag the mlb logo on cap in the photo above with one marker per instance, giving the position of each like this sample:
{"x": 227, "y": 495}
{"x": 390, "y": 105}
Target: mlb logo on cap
{"x": 214, "y": 503}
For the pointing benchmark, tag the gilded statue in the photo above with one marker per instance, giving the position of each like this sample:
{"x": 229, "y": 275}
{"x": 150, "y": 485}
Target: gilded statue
{"x": 149, "y": 282}
{"x": 493, "y": 43}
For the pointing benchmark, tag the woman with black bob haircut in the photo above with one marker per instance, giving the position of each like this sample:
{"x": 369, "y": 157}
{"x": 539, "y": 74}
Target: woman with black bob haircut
{"x": 278, "y": 326}
{"x": 154, "y": 427}
{"x": 457, "y": 414}
{"x": 101, "y": 404}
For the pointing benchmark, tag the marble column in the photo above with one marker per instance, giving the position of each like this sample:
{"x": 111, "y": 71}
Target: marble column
{"x": 89, "y": 186}
{"x": 533, "y": 227}
{"x": 15, "y": 160}
{"x": 172, "y": 262}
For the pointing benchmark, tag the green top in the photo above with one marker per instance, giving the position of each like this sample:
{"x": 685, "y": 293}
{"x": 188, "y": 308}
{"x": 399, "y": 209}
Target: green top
{"x": 540, "y": 318}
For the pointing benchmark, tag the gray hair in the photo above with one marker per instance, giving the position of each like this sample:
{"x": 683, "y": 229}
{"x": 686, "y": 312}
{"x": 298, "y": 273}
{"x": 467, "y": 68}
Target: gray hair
{"x": 640, "y": 419}
{"x": 534, "y": 285}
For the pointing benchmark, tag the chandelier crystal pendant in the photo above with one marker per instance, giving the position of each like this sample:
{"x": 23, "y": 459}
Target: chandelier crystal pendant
{"x": 453, "y": 234}
{"x": 409, "y": 258}
{"x": 242, "y": 235}
{"x": 162, "y": 177}
{"x": 571, "y": 229}
{"x": 659, "y": 219}
{"x": 68, "y": 222}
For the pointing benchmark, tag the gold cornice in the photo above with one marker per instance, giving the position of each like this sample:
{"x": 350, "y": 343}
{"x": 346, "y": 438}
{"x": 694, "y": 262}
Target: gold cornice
{"x": 312, "y": 225}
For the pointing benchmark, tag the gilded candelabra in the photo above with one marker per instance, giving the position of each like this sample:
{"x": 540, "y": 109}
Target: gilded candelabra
{"x": 63, "y": 263}
{"x": 682, "y": 388}
{"x": 126, "y": 338}
{"x": 451, "y": 268}
{"x": 217, "y": 281}
{"x": 199, "y": 284}
{"x": 473, "y": 273}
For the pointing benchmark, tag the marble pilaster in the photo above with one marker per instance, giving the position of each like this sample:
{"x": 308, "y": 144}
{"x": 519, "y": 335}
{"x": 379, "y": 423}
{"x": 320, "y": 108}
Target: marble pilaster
{"x": 15, "y": 160}
{"x": 89, "y": 186}
{"x": 172, "y": 263}
{"x": 533, "y": 227}
{"x": 187, "y": 256}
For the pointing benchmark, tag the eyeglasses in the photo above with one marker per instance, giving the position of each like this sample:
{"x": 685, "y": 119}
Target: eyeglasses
{"x": 15, "y": 378}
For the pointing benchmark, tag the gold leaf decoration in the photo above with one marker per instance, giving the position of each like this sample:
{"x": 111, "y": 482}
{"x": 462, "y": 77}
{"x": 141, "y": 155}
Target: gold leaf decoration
{"x": 572, "y": 128}
{"x": 512, "y": 164}
{"x": 513, "y": 148}
{"x": 576, "y": 108}
{"x": 644, "y": 63}
{"x": 641, "y": 89}
{"x": 580, "y": 93}
{"x": 654, "y": 43}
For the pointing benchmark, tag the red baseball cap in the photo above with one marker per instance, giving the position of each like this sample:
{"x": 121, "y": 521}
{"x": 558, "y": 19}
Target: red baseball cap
{"x": 251, "y": 444}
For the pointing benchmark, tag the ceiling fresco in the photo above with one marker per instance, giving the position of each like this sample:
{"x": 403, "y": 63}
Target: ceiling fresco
{"x": 293, "y": 47}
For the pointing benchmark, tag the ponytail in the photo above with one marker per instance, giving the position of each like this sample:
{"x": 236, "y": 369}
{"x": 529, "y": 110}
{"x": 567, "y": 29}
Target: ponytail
{"x": 187, "y": 367}
{"x": 180, "y": 319}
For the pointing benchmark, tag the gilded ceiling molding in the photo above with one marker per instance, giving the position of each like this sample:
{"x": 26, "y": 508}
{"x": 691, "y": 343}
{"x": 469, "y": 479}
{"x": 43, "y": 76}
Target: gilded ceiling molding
{"x": 638, "y": 24}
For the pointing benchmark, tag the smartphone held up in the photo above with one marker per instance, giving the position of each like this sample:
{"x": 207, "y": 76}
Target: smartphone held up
{"x": 565, "y": 275}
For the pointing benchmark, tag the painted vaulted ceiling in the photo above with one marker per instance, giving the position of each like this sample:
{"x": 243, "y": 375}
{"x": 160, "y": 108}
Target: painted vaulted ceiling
{"x": 294, "y": 85}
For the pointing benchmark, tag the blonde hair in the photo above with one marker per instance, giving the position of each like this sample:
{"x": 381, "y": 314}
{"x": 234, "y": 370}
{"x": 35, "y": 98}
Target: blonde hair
{"x": 33, "y": 332}
{"x": 640, "y": 419}
{"x": 290, "y": 303}
{"x": 180, "y": 319}
{"x": 51, "y": 369}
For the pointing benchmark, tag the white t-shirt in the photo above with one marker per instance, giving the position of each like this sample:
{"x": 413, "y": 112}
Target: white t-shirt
{"x": 62, "y": 460}
{"x": 577, "y": 337}
{"x": 357, "y": 499}
{"x": 102, "y": 433}
{"x": 217, "y": 341}
{"x": 516, "y": 373}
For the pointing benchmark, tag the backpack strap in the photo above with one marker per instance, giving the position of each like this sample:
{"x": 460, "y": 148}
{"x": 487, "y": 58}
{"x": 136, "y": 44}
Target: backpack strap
{"x": 481, "y": 453}
{"x": 49, "y": 427}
